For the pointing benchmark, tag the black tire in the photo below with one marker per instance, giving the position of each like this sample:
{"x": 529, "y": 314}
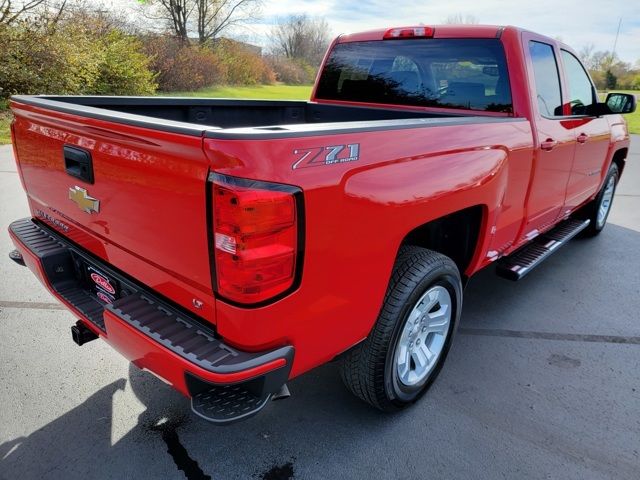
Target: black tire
{"x": 590, "y": 211}
{"x": 368, "y": 369}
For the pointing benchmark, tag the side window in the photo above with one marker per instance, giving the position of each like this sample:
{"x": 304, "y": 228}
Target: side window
{"x": 581, "y": 94}
{"x": 545, "y": 70}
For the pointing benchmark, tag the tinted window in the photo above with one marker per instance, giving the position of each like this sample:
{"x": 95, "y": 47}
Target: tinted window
{"x": 545, "y": 70}
{"x": 581, "y": 94}
{"x": 451, "y": 73}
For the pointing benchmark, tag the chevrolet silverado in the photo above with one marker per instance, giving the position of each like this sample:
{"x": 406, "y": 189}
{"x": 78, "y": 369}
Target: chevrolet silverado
{"x": 228, "y": 246}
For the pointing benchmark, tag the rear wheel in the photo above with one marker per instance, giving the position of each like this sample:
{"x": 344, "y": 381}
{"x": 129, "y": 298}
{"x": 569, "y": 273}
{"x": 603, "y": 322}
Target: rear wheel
{"x": 598, "y": 210}
{"x": 407, "y": 347}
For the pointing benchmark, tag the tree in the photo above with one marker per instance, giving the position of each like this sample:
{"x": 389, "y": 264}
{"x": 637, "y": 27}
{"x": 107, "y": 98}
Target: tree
{"x": 214, "y": 16}
{"x": 175, "y": 13}
{"x": 603, "y": 60}
{"x": 460, "y": 19}
{"x": 44, "y": 12}
{"x": 586, "y": 55}
{"x": 608, "y": 71}
{"x": 207, "y": 18}
{"x": 10, "y": 10}
{"x": 611, "y": 80}
{"x": 300, "y": 37}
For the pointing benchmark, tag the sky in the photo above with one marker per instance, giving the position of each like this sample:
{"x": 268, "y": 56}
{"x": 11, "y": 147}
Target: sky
{"x": 576, "y": 22}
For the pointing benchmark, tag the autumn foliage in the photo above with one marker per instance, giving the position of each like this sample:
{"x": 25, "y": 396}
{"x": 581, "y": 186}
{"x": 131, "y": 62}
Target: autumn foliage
{"x": 85, "y": 54}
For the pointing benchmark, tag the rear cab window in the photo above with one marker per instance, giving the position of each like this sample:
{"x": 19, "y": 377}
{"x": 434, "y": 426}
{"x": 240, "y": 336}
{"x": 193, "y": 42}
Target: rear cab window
{"x": 469, "y": 74}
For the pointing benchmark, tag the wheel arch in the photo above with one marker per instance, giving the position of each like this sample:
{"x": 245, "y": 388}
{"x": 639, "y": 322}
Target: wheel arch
{"x": 620, "y": 159}
{"x": 456, "y": 235}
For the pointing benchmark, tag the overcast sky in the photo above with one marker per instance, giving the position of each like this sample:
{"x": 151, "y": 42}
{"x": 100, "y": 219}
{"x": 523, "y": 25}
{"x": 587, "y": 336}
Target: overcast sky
{"x": 576, "y": 22}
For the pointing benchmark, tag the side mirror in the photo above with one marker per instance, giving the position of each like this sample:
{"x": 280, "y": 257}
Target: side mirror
{"x": 620, "y": 103}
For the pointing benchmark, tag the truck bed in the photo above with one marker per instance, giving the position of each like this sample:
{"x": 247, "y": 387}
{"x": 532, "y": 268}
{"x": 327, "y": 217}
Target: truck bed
{"x": 265, "y": 118}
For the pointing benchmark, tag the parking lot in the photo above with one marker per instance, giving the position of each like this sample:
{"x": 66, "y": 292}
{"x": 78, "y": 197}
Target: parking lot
{"x": 543, "y": 381}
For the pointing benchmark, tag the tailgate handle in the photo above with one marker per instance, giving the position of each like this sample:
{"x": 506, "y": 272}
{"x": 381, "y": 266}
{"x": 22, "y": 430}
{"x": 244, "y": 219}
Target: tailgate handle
{"x": 78, "y": 163}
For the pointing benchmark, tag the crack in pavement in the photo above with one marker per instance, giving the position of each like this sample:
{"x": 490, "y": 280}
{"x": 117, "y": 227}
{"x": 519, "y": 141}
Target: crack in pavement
{"x": 34, "y": 305}
{"x": 569, "y": 337}
{"x": 486, "y": 332}
{"x": 181, "y": 457}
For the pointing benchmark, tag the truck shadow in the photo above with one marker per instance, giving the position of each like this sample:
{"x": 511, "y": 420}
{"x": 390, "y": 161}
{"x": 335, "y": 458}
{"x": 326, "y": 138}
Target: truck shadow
{"x": 324, "y": 432}
{"x": 167, "y": 441}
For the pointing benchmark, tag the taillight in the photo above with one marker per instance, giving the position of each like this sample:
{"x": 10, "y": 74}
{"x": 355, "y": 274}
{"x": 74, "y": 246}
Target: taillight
{"x": 408, "y": 32}
{"x": 256, "y": 238}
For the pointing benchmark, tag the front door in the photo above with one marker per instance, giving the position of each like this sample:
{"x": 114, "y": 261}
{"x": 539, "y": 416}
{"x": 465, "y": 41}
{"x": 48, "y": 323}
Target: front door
{"x": 592, "y": 133}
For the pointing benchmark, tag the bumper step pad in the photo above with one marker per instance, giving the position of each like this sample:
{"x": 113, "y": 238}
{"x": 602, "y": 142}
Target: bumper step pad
{"x": 228, "y": 403}
{"x": 520, "y": 263}
{"x": 176, "y": 331}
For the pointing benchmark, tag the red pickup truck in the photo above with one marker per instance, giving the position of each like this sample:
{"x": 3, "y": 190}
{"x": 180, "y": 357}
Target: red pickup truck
{"x": 229, "y": 246}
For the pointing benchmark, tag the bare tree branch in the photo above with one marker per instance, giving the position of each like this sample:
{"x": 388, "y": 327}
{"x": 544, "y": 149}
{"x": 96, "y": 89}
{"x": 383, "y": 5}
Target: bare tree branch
{"x": 10, "y": 11}
{"x": 215, "y": 16}
{"x": 207, "y": 18}
{"x": 302, "y": 38}
{"x": 58, "y": 15}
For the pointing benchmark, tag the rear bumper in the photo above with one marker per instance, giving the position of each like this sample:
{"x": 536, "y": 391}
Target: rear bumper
{"x": 150, "y": 331}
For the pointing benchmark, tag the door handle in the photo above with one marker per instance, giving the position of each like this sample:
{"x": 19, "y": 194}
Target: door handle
{"x": 582, "y": 138}
{"x": 549, "y": 144}
{"x": 78, "y": 163}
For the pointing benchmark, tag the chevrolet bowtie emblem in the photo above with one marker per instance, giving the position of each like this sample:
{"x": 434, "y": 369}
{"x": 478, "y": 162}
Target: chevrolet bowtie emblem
{"x": 81, "y": 198}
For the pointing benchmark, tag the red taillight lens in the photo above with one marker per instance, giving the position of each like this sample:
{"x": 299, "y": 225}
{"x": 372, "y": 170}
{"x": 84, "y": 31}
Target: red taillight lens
{"x": 255, "y": 236}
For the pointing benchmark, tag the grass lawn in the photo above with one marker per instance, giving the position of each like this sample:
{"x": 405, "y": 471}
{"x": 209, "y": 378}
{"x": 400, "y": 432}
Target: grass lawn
{"x": 5, "y": 121}
{"x": 281, "y": 92}
{"x": 633, "y": 120}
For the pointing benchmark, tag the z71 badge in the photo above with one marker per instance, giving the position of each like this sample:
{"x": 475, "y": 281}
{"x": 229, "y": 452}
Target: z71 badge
{"x": 328, "y": 155}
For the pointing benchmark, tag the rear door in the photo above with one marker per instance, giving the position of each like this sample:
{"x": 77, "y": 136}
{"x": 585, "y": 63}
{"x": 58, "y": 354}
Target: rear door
{"x": 592, "y": 133}
{"x": 554, "y": 143}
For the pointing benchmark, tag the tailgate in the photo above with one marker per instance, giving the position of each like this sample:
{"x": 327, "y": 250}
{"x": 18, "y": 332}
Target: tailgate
{"x": 145, "y": 211}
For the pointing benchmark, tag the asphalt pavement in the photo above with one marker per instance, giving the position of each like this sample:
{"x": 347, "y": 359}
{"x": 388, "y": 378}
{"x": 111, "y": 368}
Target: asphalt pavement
{"x": 543, "y": 381}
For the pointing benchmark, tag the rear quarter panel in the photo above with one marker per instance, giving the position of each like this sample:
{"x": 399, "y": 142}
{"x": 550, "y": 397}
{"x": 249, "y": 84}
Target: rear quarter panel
{"x": 357, "y": 214}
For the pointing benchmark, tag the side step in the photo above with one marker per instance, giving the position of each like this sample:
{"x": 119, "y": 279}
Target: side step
{"x": 521, "y": 262}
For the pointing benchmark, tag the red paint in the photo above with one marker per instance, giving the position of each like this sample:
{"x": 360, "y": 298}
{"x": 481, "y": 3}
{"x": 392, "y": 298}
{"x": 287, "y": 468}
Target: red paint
{"x": 151, "y": 190}
{"x": 146, "y": 353}
{"x": 152, "y": 222}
